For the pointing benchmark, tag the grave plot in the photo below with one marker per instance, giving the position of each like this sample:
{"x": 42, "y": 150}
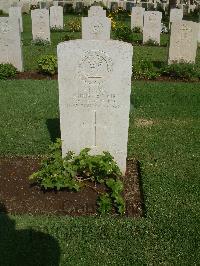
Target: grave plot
{"x": 163, "y": 136}
{"x": 20, "y": 197}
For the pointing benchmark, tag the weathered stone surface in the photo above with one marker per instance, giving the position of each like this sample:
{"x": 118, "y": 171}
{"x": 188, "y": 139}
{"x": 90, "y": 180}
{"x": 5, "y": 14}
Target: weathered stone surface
{"x": 183, "y": 42}
{"x": 16, "y": 13}
{"x": 137, "y": 17}
{"x": 176, "y": 15}
{"x": 40, "y": 24}
{"x": 10, "y": 42}
{"x": 5, "y": 5}
{"x": 96, "y": 28}
{"x": 25, "y": 5}
{"x": 152, "y": 26}
{"x": 96, "y": 11}
{"x": 94, "y": 96}
{"x": 56, "y": 17}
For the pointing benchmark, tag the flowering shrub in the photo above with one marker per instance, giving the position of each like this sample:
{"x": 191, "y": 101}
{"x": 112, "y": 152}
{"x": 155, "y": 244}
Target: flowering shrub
{"x": 47, "y": 64}
{"x": 73, "y": 25}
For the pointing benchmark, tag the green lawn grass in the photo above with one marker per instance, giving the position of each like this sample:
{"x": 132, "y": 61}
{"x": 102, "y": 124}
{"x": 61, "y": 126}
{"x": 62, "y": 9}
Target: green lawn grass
{"x": 163, "y": 136}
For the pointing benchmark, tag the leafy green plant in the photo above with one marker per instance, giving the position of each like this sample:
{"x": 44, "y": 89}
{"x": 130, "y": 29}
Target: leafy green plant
{"x": 183, "y": 71}
{"x": 65, "y": 38}
{"x": 1, "y": 12}
{"x": 124, "y": 33}
{"x": 47, "y": 64}
{"x": 144, "y": 69}
{"x": 105, "y": 203}
{"x": 117, "y": 187}
{"x": 97, "y": 167}
{"x": 40, "y": 42}
{"x": 73, "y": 170}
{"x": 55, "y": 172}
{"x": 7, "y": 71}
{"x": 137, "y": 30}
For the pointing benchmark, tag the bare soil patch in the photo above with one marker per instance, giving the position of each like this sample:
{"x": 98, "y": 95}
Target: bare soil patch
{"x": 18, "y": 196}
{"x": 144, "y": 122}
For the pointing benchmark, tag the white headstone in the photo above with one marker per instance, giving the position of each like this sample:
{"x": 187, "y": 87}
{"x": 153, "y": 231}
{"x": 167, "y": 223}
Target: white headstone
{"x": 152, "y": 26}
{"x": 137, "y": 15}
{"x": 10, "y": 42}
{"x": 183, "y": 42}
{"x": 4, "y": 6}
{"x": 94, "y": 96}
{"x": 96, "y": 11}
{"x": 176, "y": 14}
{"x": 56, "y": 17}
{"x": 55, "y": 3}
{"x": 96, "y": 28}
{"x": 40, "y": 24}
{"x": 16, "y": 13}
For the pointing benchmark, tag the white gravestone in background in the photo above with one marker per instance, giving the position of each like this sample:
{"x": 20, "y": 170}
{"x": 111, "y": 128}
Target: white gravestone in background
{"x": 96, "y": 11}
{"x": 40, "y": 24}
{"x": 96, "y": 28}
{"x": 55, "y": 3}
{"x": 183, "y": 42}
{"x": 152, "y": 26}
{"x": 137, "y": 15}
{"x": 176, "y": 14}
{"x": 56, "y": 17}
{"x": 94, "y": 96}
{"x": 10, "y": 42}
{"x": 16, "y": 13}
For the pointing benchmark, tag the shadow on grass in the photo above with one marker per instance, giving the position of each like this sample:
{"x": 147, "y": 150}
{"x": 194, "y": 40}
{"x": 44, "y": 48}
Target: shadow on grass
{"x": 144, "y": 210}
{"x": 53, "y": 126}
{"x": 25, "y": 247}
